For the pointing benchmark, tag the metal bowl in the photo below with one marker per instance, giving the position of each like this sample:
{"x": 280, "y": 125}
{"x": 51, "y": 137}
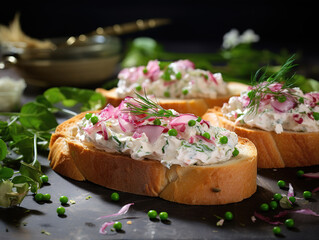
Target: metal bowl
{"x": 91, "y": 62}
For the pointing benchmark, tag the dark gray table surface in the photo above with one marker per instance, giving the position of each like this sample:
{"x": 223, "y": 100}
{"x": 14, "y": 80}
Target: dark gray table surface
{"x": 32, "y": 220}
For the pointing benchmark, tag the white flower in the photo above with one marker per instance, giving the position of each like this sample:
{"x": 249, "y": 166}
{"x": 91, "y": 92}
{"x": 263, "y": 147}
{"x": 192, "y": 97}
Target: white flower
{"x": 232, "y": 38}
{"x": 249, "y": 36}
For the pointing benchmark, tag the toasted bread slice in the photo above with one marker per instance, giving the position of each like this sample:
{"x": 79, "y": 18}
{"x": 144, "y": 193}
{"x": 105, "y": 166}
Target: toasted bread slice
{"x": 221, "y": 183}
{"x": 196, "y": 106}
{"x": 287, "y": 149}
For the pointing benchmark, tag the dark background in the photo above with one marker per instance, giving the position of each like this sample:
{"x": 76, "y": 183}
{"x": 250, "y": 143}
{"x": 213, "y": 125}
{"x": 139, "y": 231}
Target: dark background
{"x": 280, "y": 24}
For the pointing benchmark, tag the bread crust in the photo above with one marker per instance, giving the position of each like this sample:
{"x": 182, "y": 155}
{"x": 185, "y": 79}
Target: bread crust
{"x": 222, "y": 183}
{"x": 287, "y": 149}
{"x": 197, "y": 106}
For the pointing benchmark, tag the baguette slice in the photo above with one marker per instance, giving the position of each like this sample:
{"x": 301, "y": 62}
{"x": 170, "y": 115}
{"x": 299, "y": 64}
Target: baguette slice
{"x": 227, "y": 182}
{"x": 197, "y": 106}
{"x": 288, "y": 149}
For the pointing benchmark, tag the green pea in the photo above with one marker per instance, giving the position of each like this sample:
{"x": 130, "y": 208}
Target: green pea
{"x": 157, "y": 122}
{"x": 88, "y": 116}
{"x": 94, "y": 120}
{"x": 281, "y": 183}
{"x": 199, "y": 119}
{"x": 34, "y": 188}
{"x": 251, "y": 94}
{"x": 300, "y": 173}
{"x": 276, "y": 230}
{"x": 281, "y": 98}
{"x": 172, "y": 132}
{"x": 273, "y": 205}
{"x": 138, "y": 88}
{"x": 163, "y": 216}
{"x": 46, "y": 197}
{"x": 290, "y": 222}
{"x": 316, "y": 115}
{"x": 167, "y": 94}
{"x": 277, "y": 196}
{"x": 44, "y": 178}
{"x": 191, "y": 123}
{"x": 178, "y": 76}
{"x": 185, "y": 91}
{"x": 64, "y": 199}
{"x": 60, "y": 210}
{"x": 38, "y": 197}
{"x": 115, "y": 196}
{"x": 152, "y": 214}
{"x": 206, "y": 135}
{"x": 117, "y": 226}
{"x": 145, "y": 71}
{"x": 223, "y": 140}
{"x": 292, "y": 199}
{"x": 264, "y": 207}
{"x": 228, "y": 215}
{"x": 235, "y": 152}
{"x": 307, "y": 194}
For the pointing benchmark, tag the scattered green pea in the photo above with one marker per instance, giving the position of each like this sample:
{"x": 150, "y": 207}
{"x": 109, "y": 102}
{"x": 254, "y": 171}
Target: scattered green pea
{"x": 228, "y": 215}
{"x": 117, "y": 226}
{"x": 157, "y": 122}
{"x": 38, "y": 197}
{"x": 167, "y": 94}
{"x": 206, "y": 135}
{"x": 235, "y": 152}
{"x": 145, "y": 70}
{"x": 152, "y": 214}
{"x": 223, "y": 140}
{"x": 307, "y": 194}
{"x": 46, "y": 197}
{"x": 292, "y": 199}
{"x": 264, "y": 207}
{"x": 281, "y": 183}
{"x": 277, "y": 196}
{"x": 94, "y": 120}
{"x": 276, "y": 230}
{"x": 88, "y": 116}
{"x": 178, "y": 76}
{"x": 316, "y": 115}
{"x": 64, "y": 199}
{"x": 60, "y": 210}
{"x": 138, "y": 88}
{"x": 172, "y": 132}
{"x": 185, "y": 91}
{"x": 273, "y": 205}
{"x": 115, "y": 196}
{"x": 163, "y": 216}
{"x": 300, "y": 173}
{"x": 290, "y": 222}
{"x": 33, "y": 188}
{"x": 44, "y": 178}
{"x": 199, "y": 119}
{"x": 191, "y": 122}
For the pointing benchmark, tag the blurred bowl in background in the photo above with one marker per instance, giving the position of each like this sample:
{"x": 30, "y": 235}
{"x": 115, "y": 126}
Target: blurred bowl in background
{"x": 91, "y": 62}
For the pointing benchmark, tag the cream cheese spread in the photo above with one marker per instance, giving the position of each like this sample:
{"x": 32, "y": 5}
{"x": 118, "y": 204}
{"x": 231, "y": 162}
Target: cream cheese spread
{"x": 158, "y": 134}
{"x": 283, "y": 109}
{"x": 177, "y": 79}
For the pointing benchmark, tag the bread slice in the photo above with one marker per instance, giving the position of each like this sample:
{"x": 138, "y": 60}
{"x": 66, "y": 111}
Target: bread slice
{"x": 288, "y": 149}
{"x": 197, "y": 106}
{"x": 222, "y": 183}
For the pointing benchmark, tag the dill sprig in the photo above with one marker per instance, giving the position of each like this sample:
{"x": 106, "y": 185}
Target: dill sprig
{"x": 261, "y": 83}
{"x": 147, "y": 107}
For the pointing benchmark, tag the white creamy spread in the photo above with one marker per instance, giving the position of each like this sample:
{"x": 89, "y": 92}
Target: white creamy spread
{"x": 182, "y": 139}
{"x": 296, "y": 111}
{"x": 10, "y": 93}
{"x": 178, "y": 79}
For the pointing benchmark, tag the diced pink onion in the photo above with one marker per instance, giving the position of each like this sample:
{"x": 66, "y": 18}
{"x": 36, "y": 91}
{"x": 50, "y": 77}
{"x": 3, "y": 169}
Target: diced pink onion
{"x": 283, "y": 106}
{"x": 311, "y": 175}
{"x": 315, "y": 190}
{"x": 290, "y": 191}
{"x": 266, "y": 219}
{"x": 298, "y": 119}
{"x": 151, "y": 131}
{"x": 212, "y": 78}
{"x": 104, "y": 226}
{"x": 122, "y": 211}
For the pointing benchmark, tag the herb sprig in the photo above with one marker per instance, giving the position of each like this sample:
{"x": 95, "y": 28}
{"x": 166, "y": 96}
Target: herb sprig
{"x": 261, "y": 83}
{"x": 147, "y": 107}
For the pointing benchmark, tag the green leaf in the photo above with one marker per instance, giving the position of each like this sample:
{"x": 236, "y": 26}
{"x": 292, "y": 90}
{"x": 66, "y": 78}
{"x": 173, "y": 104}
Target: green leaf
{"x": 37, "y": 116}
{"x": 33, "y": 172}
{"x": 6, "y": 173}
{"x": 5, "y": 188}
{"x": 3, "y": 150}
